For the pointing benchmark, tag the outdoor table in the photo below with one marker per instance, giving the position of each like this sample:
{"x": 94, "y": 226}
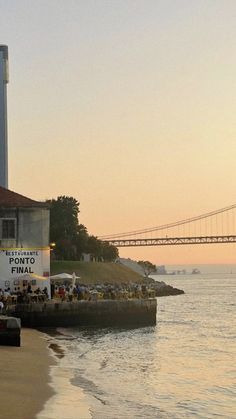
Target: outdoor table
{"x": 11, "y": 299}
{"x": 94, "y": 295}
{"x": 14, "y": 298}
{"x": 36, "y": 298}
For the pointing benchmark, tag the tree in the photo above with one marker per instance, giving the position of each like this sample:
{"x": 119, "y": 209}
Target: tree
{"x": 64, "y": 226}
{"x": 81, "y": 240}
{"x": 65, "y": 250}
{"x": 147, "y": 267}
{"x": 63, "y": 218}
{"x": 109, "y": 252}
{"x": 71, "y": 238}
{"x": 94, "y": 247}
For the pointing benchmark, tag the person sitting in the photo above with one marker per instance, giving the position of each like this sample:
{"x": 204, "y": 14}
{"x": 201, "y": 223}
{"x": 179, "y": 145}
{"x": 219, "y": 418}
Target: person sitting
{"x": 29, "y": 289}
{"x": 1, "y": 306}
{"x": 7, "y": 293}
{"x": 75, "y": 292}
{"x": 70, "y": 293}
{"x": 37, "y": 291}
{"x": 19, "y": 299}
{"x": 62, "y": 293}
{"x": 45, "y": 292}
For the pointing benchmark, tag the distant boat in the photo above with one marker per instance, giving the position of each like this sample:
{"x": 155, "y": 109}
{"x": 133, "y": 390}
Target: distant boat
{"x": 195, "y": 271}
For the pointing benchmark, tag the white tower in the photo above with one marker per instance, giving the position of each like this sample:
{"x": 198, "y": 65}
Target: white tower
{"x": 3, "y": 116}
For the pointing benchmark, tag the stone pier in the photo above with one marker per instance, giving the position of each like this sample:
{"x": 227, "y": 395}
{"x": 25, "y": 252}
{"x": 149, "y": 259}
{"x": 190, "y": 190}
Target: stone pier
{"x": 101, "y": 313}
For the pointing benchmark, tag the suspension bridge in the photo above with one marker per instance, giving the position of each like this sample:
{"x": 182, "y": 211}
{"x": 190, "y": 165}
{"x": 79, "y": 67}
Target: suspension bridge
{"x": 213, "y": 227}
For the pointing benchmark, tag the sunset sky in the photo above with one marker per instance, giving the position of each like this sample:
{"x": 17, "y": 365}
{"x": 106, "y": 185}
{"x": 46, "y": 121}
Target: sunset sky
{"x": 128, "y": 106}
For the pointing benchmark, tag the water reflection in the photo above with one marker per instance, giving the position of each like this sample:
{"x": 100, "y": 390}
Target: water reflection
{"x": 183, "y": 367}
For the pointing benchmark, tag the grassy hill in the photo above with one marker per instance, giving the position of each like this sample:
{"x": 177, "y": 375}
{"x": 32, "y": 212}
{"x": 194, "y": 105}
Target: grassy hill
{"x": 95, "y": 272}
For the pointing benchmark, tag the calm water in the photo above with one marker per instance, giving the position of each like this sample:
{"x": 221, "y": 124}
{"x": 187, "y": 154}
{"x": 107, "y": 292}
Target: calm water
{"x": 184, "y": 367}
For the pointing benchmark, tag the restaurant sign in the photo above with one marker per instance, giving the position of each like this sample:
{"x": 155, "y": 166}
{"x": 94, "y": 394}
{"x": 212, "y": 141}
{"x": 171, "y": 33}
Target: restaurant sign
{"x": 17, "y": 262}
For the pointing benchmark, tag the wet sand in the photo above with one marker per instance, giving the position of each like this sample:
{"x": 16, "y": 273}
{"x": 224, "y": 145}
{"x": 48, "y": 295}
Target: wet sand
{"x": 24, "y": 384}
{"x": 69, "y": 402}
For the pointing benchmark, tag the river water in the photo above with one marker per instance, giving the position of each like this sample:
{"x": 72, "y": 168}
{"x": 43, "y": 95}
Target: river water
{"x": 185, "y": 367}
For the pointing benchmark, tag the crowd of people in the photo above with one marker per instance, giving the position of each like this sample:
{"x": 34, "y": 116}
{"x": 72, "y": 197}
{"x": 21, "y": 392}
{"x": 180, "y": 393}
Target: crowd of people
{"x": 20, "y": 295}
{"x": 100, "y": 291}
{"x": 69, "y": 292}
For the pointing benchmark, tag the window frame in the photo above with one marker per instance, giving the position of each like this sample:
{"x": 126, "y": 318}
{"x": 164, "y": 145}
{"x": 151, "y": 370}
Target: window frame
{"x": 1, "y": 228}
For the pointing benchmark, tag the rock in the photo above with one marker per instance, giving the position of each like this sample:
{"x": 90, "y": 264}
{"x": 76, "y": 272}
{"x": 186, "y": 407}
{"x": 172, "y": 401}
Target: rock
{"x": 10, "y": 328}
{"x": 167, "y": 290}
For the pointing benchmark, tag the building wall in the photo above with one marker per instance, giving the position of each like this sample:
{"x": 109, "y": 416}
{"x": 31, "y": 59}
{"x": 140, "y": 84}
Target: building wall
{"x": 32, "y": 227}
{"x": 29, "y": 252}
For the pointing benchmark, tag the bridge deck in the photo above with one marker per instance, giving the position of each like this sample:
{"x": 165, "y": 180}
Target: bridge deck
{"x": 173, "y": 241}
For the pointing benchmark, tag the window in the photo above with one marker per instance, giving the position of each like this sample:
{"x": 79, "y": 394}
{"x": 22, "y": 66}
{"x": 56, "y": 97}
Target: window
{"x": 8, "y": 228}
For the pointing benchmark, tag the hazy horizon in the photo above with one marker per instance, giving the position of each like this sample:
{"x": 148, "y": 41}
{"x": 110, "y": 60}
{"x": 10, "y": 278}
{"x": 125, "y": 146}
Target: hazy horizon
{"x": 127, "y": 106}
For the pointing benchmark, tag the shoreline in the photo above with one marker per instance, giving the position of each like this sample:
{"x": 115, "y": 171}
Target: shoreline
{"x": 35, "y": 384}
{"x": 25, "y": 376}
{"x": 67, "y": 400}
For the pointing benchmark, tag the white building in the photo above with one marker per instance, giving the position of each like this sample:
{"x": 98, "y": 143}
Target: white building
{"x": 24, "y": 239}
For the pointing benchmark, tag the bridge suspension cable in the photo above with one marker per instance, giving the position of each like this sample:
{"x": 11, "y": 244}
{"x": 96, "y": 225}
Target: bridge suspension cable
{"x": 166, "y": 226}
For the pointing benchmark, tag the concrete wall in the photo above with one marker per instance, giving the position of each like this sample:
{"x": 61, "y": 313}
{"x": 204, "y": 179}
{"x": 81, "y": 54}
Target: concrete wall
{"x": 102, "y": 313}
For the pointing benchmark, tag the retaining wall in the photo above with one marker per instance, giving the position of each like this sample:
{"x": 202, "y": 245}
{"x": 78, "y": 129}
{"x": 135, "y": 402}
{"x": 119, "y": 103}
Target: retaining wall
{"x": 88, "y": 313}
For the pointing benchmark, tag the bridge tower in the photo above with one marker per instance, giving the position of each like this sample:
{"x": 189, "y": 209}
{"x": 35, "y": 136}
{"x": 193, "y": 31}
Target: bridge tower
{"x": 3, "y": 116}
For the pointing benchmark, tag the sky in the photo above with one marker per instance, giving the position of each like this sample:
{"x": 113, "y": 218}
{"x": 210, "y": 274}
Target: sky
{"x": 129, "y": 107}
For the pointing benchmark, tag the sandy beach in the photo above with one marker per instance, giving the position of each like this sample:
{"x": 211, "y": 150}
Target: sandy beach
{"x": 24, "y": 385}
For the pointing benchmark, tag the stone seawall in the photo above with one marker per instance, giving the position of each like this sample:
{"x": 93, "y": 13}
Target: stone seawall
{"x": 100, "y": 313}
